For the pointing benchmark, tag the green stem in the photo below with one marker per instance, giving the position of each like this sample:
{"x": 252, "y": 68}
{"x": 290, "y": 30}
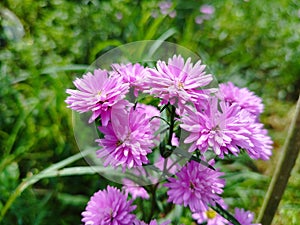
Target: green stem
{"x": 283, "y": 170}
{"x": 224, "y": 213}
{"x": 172, "y": 123}
{"x": 154, "y": 206}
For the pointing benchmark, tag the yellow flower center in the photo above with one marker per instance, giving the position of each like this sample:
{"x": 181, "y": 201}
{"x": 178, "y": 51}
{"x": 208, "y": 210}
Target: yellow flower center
{"x": 99, "y": 93}
{"x": 119, "y": 143}
{"x": 211, "y": 214}
{"x": 180, "y": 85}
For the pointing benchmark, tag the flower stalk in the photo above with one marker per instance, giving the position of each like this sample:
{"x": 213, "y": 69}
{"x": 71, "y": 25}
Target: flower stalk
{"x": 283, "y": 170}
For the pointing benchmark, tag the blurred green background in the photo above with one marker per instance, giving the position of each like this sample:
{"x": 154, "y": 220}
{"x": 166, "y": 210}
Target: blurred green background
{"x": 44, "y": 45}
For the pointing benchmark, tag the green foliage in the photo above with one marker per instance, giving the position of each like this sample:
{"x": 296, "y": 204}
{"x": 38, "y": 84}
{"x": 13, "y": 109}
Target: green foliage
{"x": 45, "y": 44}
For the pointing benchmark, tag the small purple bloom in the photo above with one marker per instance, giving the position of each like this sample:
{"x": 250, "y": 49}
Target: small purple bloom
{"x": 119, "y": 16}
{"x": 173, "y": 14}
{"x": 97, "y": 93}
{"x": 178, "y": 81}
{"x": 195, "y": 186}
{"x": 133, "y": 74}
{"x": 207, "y": 9}
{"x": 128, "y": 138}
{"x": 165, "y": 7}
{"x": 244, "y": 217}
{"x": 109, "y": 207}
{"x": 225, "y": 130}
{"x": 199, "y": 20}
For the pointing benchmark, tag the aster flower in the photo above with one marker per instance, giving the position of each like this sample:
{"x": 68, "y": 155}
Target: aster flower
{"x": 246, "y": 99}
{"x": 226, "y": 130}
{"x": 207, "y": 9}
{"x": 195, "y": 186}
{"x": 133, "y": 74}
{"x": 165, "y": 6}
{"x": 134, "y": 189}
{"x": 199, "y": 19}
{"x": 97, "y": 93}
{"x": 128, "y": 139}
{"x": 109, "y": 207}
{"x": 244, "y": 217}
{"x": 178, "y": 81}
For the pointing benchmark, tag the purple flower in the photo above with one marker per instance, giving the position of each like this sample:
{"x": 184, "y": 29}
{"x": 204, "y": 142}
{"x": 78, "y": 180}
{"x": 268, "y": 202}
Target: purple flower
{"x": 207, "y": 9}
{"x": 165, "y": 6}
{"x": 128, "y": 139}
{"x": 134, "y": 189}
{"x": 133, "y": 74}
{"x": 166, "y": 9}
{"x": 242, "y": 96}
{"x": 224, "y": 131}
{"x": 109, "y": 207}
{"x": 199, "y": 20}
{"x": 178, "y": 81}
{"x": 173, "y": 14}
{"x": 244, "y": 217}
{"x": 119, "y": 16}
{"x": 195, "y": 186}
{"x": 97, "y": 93}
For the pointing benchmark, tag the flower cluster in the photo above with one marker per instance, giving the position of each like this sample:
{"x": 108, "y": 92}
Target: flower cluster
{"x": 222, "y": 121}
{"x": 206, "y": 12}
{"x": 166, "y": 8}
